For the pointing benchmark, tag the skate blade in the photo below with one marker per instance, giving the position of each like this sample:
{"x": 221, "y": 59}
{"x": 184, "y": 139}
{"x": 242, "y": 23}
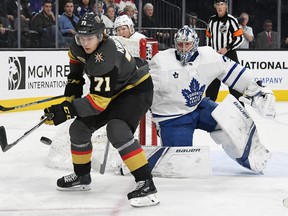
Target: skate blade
{"x": 149, "y": 200}
{"x": 75, "y": 188}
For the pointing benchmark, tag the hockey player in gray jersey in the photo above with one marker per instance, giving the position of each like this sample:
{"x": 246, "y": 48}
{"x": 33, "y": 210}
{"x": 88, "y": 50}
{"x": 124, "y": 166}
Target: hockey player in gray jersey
{"x": 121, "y": 92}
{"x": 180, "y": 78}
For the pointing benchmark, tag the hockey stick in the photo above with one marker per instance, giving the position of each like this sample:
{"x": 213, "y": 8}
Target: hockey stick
{"x": 3, "y": 138}
{"x": 103, "y": 165}
{"x": 3, "y": 109}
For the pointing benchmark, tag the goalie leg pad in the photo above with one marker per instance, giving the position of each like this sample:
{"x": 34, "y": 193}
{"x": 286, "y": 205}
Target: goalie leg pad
{"x": 238, "y": 135}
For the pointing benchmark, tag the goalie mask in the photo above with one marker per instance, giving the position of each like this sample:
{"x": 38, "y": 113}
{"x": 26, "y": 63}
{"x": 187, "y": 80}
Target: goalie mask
{"x": 124, "y": 20}
{"x": 90, "y": 24}
{"x": 186, "y": 43}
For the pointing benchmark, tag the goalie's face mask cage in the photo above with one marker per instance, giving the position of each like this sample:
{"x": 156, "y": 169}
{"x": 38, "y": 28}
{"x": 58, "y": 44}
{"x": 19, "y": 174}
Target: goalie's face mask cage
{"x": 89, "y": 24}
{"x": 186, "y": 43}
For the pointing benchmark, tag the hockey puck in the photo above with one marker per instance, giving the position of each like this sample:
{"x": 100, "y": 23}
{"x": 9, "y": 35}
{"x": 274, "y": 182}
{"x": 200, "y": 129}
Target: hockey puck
{"x": 285, "y": 202}
{"x": 46, "y": 140}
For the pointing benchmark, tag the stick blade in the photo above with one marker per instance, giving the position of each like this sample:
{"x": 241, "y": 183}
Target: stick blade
{"x": 5, "y": 108}
{"x": 3, "y": 139}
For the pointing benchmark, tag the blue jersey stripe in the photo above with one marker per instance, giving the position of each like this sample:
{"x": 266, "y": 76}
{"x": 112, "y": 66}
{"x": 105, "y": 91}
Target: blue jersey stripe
{"x": 230, "y": 72}
{"x": 237, "y": 78}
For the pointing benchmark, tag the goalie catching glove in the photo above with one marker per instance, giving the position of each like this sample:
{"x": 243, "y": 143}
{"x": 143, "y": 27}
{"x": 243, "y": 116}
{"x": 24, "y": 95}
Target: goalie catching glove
{"x": 61, "y": 112}
{"x": 261, "y": 98}
{"x": 74, "y": 86}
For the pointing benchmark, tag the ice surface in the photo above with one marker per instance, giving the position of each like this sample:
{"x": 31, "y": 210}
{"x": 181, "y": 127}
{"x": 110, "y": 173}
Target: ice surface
{"x": 28, "y": 187}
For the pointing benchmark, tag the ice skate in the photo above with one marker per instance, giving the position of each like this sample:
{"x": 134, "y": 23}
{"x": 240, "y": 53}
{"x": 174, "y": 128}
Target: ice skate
{"x": 72, "y": 182}
{"x": 144, "y": 194}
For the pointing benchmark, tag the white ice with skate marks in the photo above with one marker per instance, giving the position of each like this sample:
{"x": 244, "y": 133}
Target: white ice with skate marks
{"x": 28, "y": 187}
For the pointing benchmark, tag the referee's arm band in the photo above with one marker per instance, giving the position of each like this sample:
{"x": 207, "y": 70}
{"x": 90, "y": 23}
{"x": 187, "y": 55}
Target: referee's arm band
{"x": 228, "y": 48}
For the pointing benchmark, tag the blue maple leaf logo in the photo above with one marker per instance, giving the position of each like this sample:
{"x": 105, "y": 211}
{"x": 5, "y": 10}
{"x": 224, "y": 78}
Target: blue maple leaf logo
{"x": 194, "y": 94}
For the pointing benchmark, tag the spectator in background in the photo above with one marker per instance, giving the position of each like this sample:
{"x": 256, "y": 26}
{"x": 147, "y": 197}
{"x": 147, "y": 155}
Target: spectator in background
{"x": 149, "y": 21}
{"x": 110, "y": 13}
{"x": 68, "y": 21}
{"x": 107, "y": 22}
{"x": 267, "y": 39}
{"x": 44, "y": 24}
{"x": 224, "y": 35}
{"x": 7, "y": 38}
{"x": 84, "y": 7}
{"x": 100, "y": 8}
{"x": 247, "y": 31}
{"x": 285, "y": 43}
{"x": 193, "y": 22}
{"x": 25, "y": 14}
{"x": 124, "y": 27}
{"x": 130, "y": 12}
{"x": 121, "y": 4}
{"x": 107, "y": 3}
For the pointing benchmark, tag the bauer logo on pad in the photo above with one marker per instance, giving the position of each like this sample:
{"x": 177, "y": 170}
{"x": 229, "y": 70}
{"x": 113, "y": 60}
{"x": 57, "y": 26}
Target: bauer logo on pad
{"x": 179, "y": 162}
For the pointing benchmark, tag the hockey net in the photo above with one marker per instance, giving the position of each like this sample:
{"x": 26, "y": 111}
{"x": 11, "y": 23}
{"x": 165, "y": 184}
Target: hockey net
{"x": 60, "y": 152}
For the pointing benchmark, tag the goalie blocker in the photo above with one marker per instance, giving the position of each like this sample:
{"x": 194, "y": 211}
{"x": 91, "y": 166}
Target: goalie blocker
{"x": 241, "y": 142}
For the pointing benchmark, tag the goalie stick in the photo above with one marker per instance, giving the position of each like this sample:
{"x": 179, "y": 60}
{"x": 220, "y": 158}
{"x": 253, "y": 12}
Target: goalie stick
{"x": 3, "y": 109}
{"x": 277, "y": 118}
{"x": 3, "y": 138}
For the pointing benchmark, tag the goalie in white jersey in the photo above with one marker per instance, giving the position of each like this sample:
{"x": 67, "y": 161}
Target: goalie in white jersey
{"x": 180, "y": 78}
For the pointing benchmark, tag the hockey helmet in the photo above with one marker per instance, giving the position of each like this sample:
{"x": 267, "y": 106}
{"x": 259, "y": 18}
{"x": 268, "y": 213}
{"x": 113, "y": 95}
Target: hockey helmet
{"x": 89, "y": 24}
{"x": 186, "y": 43}
{"x": 124, "y": 20}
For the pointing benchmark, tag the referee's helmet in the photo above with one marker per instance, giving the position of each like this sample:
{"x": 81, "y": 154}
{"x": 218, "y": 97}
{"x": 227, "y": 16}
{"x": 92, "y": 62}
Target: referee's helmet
{"x": 186, "y": 43}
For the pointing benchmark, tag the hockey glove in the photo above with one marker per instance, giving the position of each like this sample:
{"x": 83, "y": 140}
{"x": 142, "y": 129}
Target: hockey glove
{"x": 261, "y": 99}
{"x": 61, "y": 112}
{"x": 74, "y": 86}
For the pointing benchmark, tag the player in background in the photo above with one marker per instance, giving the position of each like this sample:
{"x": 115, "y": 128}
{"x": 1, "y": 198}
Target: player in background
{"x": 180, "y": 78}
{"x": 224, "y": 35}
{"x": 124, "y": 27}
{"x": 120, "y": 94}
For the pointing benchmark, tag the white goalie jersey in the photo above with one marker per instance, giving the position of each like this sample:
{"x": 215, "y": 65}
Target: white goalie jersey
{"x": 184, "y": 86}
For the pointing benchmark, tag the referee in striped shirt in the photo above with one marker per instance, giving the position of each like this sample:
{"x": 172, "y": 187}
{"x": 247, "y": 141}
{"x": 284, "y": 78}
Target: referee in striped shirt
{"x": 223, "y": 34}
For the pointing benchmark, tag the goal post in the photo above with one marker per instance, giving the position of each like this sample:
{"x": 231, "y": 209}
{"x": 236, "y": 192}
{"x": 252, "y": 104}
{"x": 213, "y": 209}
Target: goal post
{"x": 146, "y": 49}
